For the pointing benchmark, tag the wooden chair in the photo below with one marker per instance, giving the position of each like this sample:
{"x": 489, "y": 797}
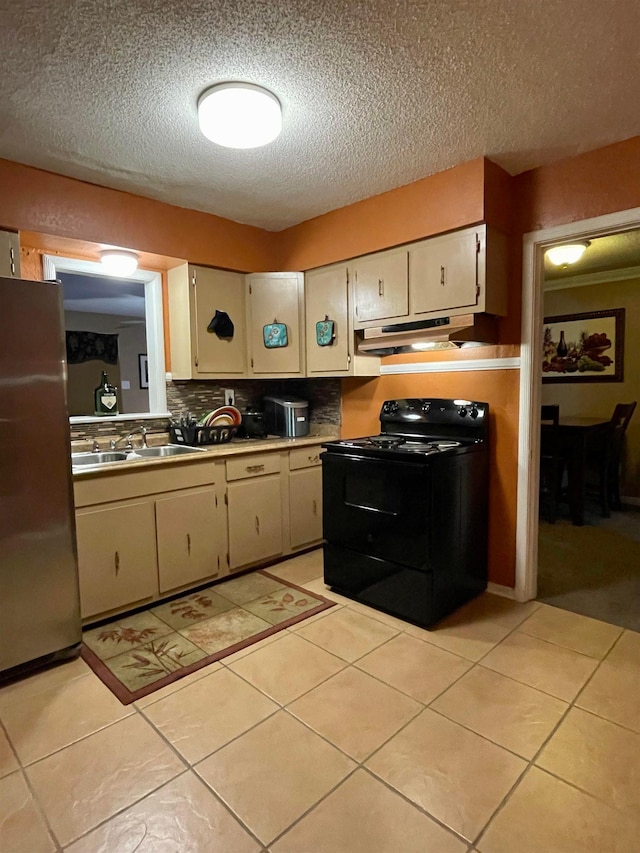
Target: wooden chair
{"x": 551, "y": 462}
{"x": 602, "y": 475}
{"x": 619, "y": 421}
{"x": 597, "y": 469}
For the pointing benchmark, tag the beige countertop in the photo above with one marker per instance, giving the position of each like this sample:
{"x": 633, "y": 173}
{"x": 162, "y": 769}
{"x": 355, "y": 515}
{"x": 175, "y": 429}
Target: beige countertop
{"x": 235, "y": 447}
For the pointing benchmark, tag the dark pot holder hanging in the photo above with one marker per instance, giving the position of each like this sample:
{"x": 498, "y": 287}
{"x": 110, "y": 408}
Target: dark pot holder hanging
{"x": 221, "y": 325}
{"x": 325, "y": 332}
{"x": 275, "y": 335}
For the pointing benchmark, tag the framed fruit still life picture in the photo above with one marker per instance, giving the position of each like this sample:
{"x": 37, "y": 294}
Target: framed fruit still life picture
{"x": 584, "y": 347}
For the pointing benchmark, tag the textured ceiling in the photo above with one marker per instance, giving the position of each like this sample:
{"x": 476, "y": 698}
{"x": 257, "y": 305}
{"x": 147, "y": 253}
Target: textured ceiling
{"x": 612, "y": 252}
{"x": 375, "y": 93}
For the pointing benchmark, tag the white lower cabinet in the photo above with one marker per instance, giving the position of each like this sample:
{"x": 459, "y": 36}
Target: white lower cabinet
{"x": 190, "y": 536}
{"x": 305, "y": 497}
{"x": 117, "y": 562}
{"x": 254, "y": 505}
{"x": 305, "y": 506}
{"x": 139, "y": 540}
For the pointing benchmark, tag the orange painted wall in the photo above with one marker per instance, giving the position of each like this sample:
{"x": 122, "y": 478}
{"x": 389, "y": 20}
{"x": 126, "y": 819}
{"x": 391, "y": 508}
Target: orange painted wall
{"x": 361, "y": 401}
{"x": 35, "y": 200}
{"x": 591, "y": 184}
{"x": 441, "y": 202}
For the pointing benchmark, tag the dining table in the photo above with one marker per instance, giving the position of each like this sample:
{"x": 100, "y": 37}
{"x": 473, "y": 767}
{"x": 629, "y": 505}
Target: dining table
{"x": 576, "y": 437}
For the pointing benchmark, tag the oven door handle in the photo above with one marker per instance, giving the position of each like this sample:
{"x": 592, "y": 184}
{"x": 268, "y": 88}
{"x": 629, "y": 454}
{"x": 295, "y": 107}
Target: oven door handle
{"x": 372, "y": 509}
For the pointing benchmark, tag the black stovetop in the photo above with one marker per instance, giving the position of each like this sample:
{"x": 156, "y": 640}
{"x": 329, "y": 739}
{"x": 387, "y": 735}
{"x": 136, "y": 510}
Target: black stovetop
{"x": 422, "y": 427}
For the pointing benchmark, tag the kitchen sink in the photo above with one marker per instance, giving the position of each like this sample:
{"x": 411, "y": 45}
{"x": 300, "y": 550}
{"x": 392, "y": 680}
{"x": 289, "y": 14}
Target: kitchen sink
{"x": 85, "y": 460}
{"x": 82, "y": 459}
{"x": 165, "y": 450}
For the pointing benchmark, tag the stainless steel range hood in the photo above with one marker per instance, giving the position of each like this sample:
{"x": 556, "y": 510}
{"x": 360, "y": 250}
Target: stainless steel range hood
{"x": 437, "y": 333}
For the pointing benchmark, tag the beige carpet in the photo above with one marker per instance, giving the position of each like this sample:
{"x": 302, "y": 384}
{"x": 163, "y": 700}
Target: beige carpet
{"x": 594, "y": 569}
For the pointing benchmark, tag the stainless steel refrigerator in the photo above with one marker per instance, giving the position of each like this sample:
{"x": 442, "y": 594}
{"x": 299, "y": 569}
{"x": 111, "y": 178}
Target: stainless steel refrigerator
{"x": 39, "y": 598}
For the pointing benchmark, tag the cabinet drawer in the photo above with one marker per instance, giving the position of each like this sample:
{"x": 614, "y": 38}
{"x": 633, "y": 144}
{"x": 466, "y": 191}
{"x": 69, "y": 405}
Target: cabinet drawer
{"x": 304, "y": 457}
{"x": 253, "y": 466}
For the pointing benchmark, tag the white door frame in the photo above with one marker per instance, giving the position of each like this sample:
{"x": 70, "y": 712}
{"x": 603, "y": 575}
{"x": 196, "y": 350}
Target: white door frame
{"x": 534, "y": 244}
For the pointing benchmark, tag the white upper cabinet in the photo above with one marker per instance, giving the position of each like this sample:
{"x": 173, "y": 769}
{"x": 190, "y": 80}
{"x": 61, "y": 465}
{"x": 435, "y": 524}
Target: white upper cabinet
{"x": 326, "y": 302}
{"x": 463, "y": 272}
{"x": 328, "y": 295}
{"x": 443, "y": 273}
{"x": 275, "y": 314}
{"x": 195, "y": 295}
{"x": 9, "y": 254}
{"x": 380, "y": 287}
{"x": 460, "y": 272}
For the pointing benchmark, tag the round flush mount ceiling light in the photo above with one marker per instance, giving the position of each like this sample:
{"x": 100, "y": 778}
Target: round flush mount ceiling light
{"x": 569, "y": 253}
{"x": 118, "y": 262}
{"x": 239, "y": 115}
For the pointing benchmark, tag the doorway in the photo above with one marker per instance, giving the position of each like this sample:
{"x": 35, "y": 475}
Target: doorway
{"x": 534, "y": 246}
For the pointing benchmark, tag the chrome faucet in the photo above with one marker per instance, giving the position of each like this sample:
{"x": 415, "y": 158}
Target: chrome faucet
{"x": 129, "y": 446}
{"x": 96, "y": 446}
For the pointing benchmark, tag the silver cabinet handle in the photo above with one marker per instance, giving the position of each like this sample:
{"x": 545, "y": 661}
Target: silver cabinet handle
{"x": 116, "y": 562}
{"x": 380, "y": 287}
{"x": 189, "y": 544}
{"x": 257, "y": 525}
{"x": 315, "y": 507}
{"x": 254, "y": 468}
{"x": 315, "y": 458}
{"x": 442, "y": 276}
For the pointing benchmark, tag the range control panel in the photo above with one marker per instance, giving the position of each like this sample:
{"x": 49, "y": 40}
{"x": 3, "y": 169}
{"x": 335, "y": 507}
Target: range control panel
{"x": 415, "y": 415}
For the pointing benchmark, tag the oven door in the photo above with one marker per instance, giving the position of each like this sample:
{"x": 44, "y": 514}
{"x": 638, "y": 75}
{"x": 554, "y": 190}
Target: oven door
{"x": 379, "y": 508}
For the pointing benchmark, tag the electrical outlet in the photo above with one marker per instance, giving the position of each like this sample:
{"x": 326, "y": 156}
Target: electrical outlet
{"x": 229, "y": 397}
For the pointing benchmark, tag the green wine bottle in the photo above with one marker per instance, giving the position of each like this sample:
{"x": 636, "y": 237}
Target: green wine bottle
{"x": 105, "y": 397}
{"x": 562, "y": 349}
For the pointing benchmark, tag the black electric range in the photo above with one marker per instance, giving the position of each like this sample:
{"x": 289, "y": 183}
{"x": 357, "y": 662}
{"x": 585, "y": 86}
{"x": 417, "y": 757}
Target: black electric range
{"x": 405, "y": 513}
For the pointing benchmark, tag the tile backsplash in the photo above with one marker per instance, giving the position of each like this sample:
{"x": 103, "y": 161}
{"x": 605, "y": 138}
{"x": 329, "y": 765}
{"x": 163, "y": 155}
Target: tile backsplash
{"x": 201, "y": 397}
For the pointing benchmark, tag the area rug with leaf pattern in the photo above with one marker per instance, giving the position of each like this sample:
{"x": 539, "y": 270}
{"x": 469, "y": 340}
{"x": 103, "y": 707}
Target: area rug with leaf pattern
{"x": 138, "y": 653}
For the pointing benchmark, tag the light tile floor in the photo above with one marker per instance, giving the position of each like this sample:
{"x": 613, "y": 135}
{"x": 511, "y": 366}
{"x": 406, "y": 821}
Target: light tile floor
{"x": 509, "y": 729}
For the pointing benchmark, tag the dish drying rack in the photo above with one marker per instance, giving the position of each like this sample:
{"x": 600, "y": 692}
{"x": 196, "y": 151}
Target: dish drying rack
{"x": 194, "y": 435}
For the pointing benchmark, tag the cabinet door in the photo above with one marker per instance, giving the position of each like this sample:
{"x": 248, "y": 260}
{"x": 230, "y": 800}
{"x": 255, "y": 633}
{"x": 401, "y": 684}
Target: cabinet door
{"x": 190, "y": 538}
{"x": 9, "y": 254}
{"x": 116, "y": 556}
{"x": 443, "y": 273}
{"x": 381, "y": 286}
{"x": 275, "y": 298}
{"x": 255, "y": 520}
{"x": 325, "y": 296}
{"x": 217, "y": 290}
{"x": 305, "y": 506}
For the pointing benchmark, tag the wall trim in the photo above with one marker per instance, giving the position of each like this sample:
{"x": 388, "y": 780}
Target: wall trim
{"x": 452, "y": 366}
{"x": 587, "y": 279}
{"x": 500, "y": 589}
{"x": 534, "y": 245}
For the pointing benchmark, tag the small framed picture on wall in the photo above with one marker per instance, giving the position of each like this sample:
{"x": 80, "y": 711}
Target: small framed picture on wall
{"x": 143, "y": 368}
